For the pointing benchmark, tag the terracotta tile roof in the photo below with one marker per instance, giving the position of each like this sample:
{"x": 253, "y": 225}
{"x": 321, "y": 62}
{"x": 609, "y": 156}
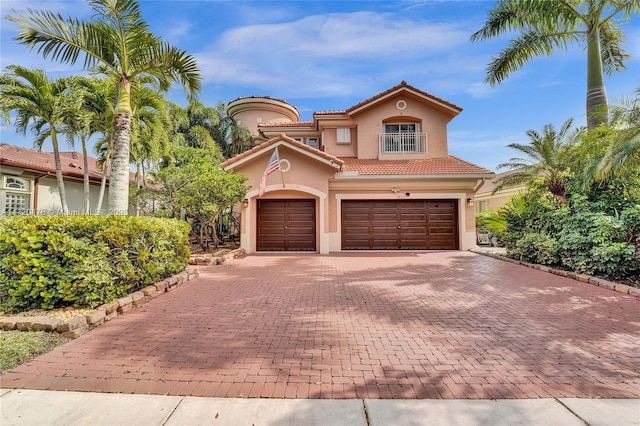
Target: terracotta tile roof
{"x": 308, "y": 123}
{"x": 404, "y": 84}
{"x": 239, "y": 98}
{"x": 277, "y": 139}
{"x": 449, "y": 165}
{"x": 72, "y": 162}
{"x": 490, "y": 185}
{"x": 333, "y": 112}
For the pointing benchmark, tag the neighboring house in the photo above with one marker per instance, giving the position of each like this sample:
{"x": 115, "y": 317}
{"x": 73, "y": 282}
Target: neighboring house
{"x": 374, "y": 176}
{"x": 28, "y": 181}
{"x": 485, "y": 199}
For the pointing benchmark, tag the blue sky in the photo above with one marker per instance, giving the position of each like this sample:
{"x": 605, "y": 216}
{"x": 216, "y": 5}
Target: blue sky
{"x": 321, "y": 55}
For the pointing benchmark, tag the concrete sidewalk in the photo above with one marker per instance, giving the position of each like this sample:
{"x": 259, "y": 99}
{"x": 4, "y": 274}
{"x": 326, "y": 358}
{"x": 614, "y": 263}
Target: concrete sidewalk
{"x": 34, "y": 407}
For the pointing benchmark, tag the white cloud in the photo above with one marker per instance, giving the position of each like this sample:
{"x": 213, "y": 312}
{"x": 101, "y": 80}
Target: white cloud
{"x": 358, "y": 34}
{"x": 341, "y": 54}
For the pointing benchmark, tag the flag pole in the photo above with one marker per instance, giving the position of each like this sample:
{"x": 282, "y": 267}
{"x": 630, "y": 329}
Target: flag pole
{"x": 281, "y": 174}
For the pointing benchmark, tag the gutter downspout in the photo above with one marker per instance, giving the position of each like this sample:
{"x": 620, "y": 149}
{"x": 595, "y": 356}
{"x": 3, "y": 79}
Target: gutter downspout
{"x": 36, "y": 185}
{"x": 479, "y": 185}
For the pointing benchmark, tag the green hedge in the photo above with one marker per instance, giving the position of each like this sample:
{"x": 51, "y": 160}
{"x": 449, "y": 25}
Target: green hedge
{"x": 57, "y": 261}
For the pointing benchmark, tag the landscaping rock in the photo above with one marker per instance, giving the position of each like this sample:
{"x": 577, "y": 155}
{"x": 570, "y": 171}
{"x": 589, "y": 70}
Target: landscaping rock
{"x": 634, "y": 291}
{"x": 95, "y": 316}
{"x": 162, "y": 286}
{"x": 37, "y": 324}
{"x": 110, "y": 316}
{"x": 9, "y": 323}
{"x": 149, "y": 290}
{"x": 607, "y": 284}
{"x": 127, "y": 300}
{"x": 74, "y": 334}
{"x": 137, "y": 298}
{"x": 125, "y": 304}
{"x": 583, "y": 278}
{"x": 171, "y": 281}
{"x": 109, "y": 307}
{"x": 99, "y": 322}
{"x": 72, "y": 324}
{"x": 622, "y": 288}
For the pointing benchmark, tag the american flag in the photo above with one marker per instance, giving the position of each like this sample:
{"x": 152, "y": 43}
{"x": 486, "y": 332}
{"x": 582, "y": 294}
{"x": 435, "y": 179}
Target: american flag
{"x": 272, "y": 166}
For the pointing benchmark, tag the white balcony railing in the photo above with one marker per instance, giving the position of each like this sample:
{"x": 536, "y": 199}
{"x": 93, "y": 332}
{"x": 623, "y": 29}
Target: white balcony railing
{"x": 403, "y": 143}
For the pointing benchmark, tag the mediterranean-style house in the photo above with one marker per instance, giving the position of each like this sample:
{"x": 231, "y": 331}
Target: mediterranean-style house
{"x": 487, "y": 199}
{"x": 28, "y": 181}
{"x": 375, "y": 176}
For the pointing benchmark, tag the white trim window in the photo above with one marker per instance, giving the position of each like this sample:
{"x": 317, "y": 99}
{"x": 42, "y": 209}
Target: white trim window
{"x": 343, "y": 135}
{"x": 15, "y": 196}
{"x": 400, "y": 138}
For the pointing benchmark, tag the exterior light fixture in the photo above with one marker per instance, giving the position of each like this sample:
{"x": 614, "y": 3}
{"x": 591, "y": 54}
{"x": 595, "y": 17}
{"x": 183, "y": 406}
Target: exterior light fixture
{"x": 245, "y": 203}
{"x": 470, "y": 202}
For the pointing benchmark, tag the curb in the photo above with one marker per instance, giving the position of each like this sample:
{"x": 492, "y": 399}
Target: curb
{"x": 584, "y": 278}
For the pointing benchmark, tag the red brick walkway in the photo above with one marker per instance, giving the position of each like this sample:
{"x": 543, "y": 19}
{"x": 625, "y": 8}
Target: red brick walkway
{"x": 428, "y": 325}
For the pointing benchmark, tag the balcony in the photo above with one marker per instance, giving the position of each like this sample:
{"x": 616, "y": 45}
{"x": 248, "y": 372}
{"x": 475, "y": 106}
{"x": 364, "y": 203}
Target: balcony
{"x": 403, "y": 143}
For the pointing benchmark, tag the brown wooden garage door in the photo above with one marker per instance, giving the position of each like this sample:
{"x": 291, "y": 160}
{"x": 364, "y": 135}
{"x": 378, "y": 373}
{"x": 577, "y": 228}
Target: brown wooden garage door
{"x": 286, "y": 225}
{"x": 400, "y": 225}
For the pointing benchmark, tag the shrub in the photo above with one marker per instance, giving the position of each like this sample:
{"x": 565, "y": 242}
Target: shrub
{"x": 56, "y": 261}
{"x": 614, "y": 259}
{"x": 537, "y": 248}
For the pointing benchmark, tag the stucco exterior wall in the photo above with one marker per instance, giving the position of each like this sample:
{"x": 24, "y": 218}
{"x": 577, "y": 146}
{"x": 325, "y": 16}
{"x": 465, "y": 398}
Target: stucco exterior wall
{"x": 432, "y": 121}
{"x": 43, "y": 192}
{"x": 340, "y": 150}
{"x": 49, "y": 198}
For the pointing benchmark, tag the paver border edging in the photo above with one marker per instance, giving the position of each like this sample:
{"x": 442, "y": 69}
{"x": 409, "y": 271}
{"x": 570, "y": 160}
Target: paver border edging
{"x": 600, "y": 282}
{"x": 213, "y": 259}
{"x": 80, "y": 324}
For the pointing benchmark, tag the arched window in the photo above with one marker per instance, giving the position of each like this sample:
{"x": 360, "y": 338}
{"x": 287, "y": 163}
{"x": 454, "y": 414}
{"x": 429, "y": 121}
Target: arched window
{"x": 16, "y": 183}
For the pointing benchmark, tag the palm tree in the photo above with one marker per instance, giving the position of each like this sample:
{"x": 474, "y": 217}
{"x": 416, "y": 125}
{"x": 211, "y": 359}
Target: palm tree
{"x": 233, "y": 138}
{"x": 122, "y": 45}
{"x": 41, "y": 104}
{"x": 624, "y": 150}
{"x": 82, "y": 122}
{"x": 548, "y": 157}
{"x": 549, "y": 25}
{"x": 149, "y": 136}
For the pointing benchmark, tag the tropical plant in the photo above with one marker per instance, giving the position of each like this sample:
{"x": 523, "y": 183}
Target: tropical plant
{"x": 119, "y": 44}
{"x": 549, "y": 25}
{"x": 41, "y": 104}
{"x": 623, "y": 150}
{"x": 149, "y": 135}
{"x": 193, "y": 183}
{"x": 547, "y": 158}
{"x": 82, "y": 122}
{"x": 232, "y": 138}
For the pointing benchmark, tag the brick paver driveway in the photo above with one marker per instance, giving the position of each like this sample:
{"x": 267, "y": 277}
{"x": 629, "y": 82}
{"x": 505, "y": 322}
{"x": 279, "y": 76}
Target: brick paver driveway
{"x": 367, "y": 325}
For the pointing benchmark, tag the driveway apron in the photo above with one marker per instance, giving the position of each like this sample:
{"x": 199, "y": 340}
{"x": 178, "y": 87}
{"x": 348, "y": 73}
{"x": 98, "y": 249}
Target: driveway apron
{"x": 360, "y": 325}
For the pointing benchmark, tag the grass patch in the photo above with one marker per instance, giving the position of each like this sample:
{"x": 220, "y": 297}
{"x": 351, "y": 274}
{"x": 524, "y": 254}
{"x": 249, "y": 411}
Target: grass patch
{"x": 18, "y": 347}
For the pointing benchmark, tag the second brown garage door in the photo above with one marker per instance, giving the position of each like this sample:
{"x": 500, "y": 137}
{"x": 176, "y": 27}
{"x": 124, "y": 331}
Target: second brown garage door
{"x": 286, "y": 225}
{"x": 400, "y": 225}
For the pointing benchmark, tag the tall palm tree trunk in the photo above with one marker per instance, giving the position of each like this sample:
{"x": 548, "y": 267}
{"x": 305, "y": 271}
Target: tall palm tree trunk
{"x": 119, "y": 179}
{"x": 103, "y": 184}
{"x": 59, "y": 177}
{"x": 597, "y": 106}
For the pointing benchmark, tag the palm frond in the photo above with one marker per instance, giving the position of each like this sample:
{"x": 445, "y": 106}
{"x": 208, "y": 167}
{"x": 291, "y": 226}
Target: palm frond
{"x": 613, "y": 56}
{"x": 523, "y": 49}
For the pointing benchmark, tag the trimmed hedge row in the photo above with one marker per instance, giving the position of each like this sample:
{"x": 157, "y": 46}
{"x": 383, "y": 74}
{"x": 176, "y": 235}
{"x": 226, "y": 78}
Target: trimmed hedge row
{"x": 56, "y": 261}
